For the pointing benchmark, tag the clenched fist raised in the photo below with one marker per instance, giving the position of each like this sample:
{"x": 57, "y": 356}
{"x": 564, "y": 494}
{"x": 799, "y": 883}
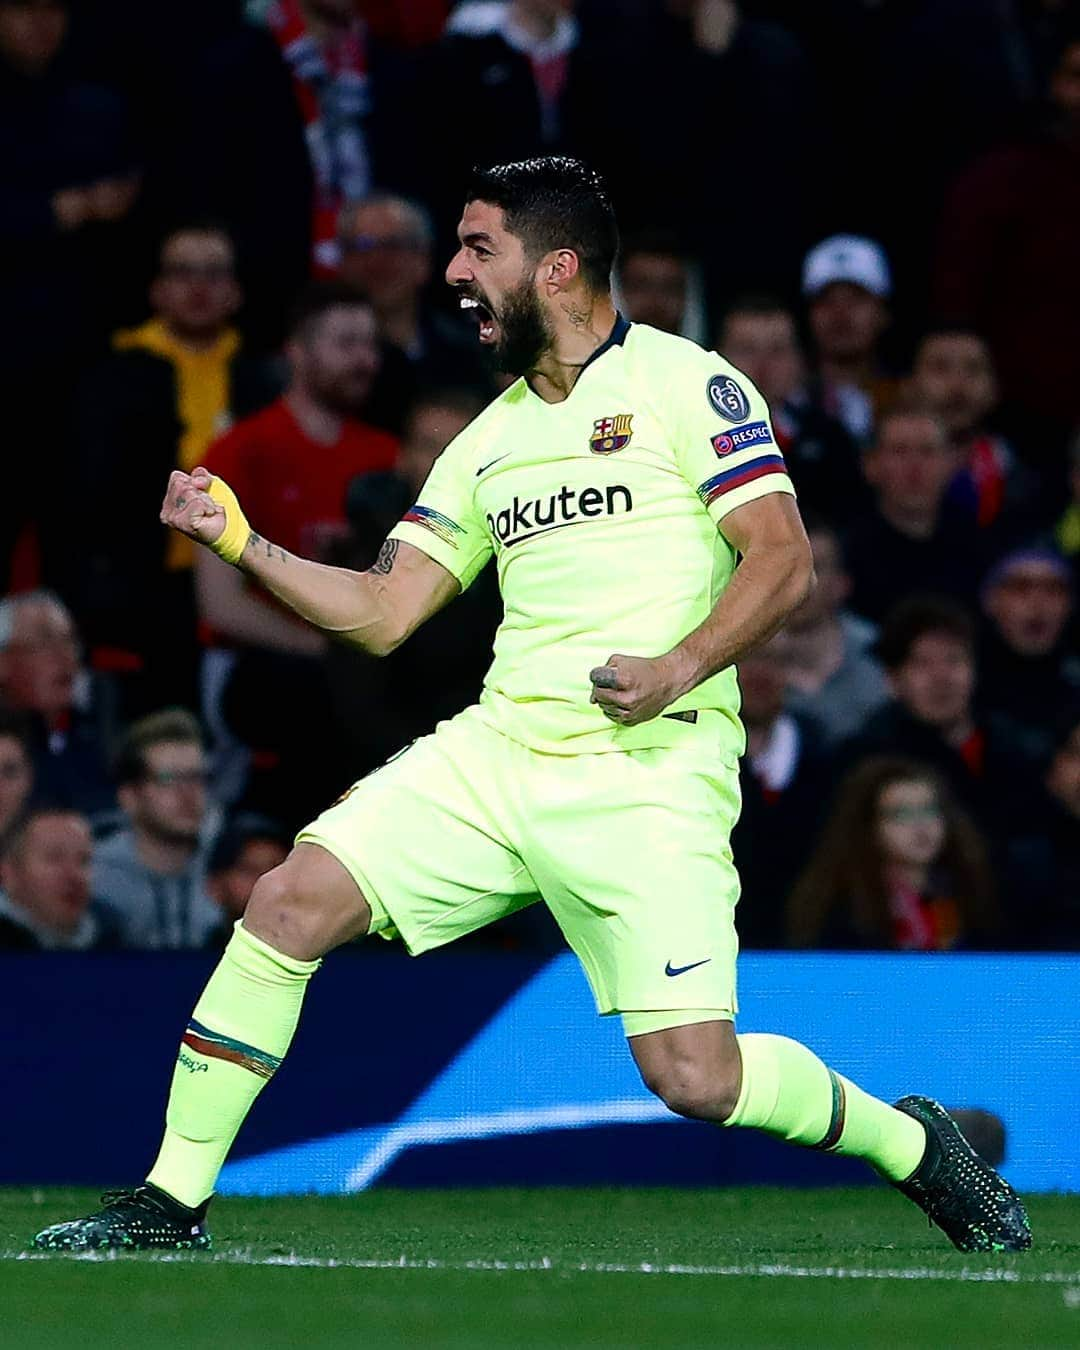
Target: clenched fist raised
{"x": 189, "y": 508}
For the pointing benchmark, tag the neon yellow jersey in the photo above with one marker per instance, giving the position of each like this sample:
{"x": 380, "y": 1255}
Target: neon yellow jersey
{"x": 602, "y": 513}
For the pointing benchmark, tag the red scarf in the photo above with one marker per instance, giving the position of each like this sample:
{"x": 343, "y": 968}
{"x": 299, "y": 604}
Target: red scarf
{"x": 331, "y": 86}
{"x": 987, "y": 473}
{"x": 923, "y": 923}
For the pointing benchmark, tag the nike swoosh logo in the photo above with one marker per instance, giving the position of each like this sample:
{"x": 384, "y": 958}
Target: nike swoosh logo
{"x": 491, "y": 462}
{"x": 669, "y": 969}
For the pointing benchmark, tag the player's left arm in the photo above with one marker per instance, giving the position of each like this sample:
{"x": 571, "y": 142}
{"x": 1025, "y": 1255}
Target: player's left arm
{"x": 774, "y": 577}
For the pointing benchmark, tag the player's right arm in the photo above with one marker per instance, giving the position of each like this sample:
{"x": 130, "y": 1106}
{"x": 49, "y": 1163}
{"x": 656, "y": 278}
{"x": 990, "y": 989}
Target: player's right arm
{"x": 376, "y": 610}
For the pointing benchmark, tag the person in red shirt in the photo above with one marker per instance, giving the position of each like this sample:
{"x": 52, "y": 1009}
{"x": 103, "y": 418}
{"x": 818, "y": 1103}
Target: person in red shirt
{"x": 294, "y": 460}
{"x": 293, "y": 463}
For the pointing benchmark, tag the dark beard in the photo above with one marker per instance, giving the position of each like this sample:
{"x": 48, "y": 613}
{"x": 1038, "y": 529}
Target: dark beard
{"x": 525, "y": 333}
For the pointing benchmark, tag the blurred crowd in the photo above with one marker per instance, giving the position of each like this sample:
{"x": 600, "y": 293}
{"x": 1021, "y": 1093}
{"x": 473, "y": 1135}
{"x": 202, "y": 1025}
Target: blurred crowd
{"x": 224, "y": 229}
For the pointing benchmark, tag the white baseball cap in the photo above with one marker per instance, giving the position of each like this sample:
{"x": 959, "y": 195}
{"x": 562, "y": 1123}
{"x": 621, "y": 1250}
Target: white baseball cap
{"x": 847, "y": 257}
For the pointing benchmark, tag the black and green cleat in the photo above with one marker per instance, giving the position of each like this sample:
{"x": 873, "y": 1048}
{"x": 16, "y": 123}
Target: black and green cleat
{"x": 142, "y": 1219}
{"x": 976, "y": 1209}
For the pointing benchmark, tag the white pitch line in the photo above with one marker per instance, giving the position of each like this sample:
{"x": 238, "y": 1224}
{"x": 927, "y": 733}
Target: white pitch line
{"x": 963, "y": 1275}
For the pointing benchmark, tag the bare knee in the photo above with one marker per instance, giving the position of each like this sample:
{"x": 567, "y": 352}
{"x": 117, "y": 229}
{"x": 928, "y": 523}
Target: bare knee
{"x": 308, "y": 905}
{"x": 697, "y": 1076}
{"x": 694, "y": 1091}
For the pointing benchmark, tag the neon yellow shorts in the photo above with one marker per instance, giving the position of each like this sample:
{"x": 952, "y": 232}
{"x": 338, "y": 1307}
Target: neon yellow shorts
{"x": 629, "y": 849}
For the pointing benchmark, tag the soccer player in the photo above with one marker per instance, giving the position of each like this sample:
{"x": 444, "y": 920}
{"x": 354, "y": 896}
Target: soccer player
{"x": 617, "y": 482}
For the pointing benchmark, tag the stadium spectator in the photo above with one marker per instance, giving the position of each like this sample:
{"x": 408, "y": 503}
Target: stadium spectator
{"x": 248, "y": 847}
{"x": 292, "y": 464}
{"x": 658, "y": 285}
{"x": 758, "y": 335}
{"x": 16, "y": 770}
{"x": 908, "y": 541}
{"x": 953, "y": 375}
{"x": 386, "y": 245}
{"x": 1028, "y": 670}
{"x": 151, "y": 873}
{"x": 45, "y": 875}
{"x": 169, "y": 388}
{"x": 927, "y": 646}
{"x": 381, "y": 705}
{"x": 294, "y": 460}
{"x": 899, "y": 867}
{"x": 847, "y": 284}
{"x": 783, "y": 777}
{"x": 834, "y": 680}
{"x": 39, "y": 680}
{"x": 194, "y": 300}
{"x": 1013, "y": 272}
{"x": 70, "y": 184}
{"x": 353, "y": 96}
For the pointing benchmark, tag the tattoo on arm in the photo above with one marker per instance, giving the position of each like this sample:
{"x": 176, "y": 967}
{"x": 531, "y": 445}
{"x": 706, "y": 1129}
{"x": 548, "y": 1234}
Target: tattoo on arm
{"x": 254, "y": 540}
{"x": 384, "y": 563}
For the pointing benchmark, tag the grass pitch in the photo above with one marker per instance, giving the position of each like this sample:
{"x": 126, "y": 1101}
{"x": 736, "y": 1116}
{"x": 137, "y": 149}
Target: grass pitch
{"x": 559, "y": 1269}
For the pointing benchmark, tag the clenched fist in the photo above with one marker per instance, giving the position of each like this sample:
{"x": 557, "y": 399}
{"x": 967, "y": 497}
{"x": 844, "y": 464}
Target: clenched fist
{"x": 633, "y": 689}
{"x": 189, "y": 508}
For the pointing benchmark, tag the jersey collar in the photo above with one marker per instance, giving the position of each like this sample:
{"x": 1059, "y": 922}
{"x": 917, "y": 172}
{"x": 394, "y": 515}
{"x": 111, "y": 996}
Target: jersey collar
{"x": 616, "y": 339}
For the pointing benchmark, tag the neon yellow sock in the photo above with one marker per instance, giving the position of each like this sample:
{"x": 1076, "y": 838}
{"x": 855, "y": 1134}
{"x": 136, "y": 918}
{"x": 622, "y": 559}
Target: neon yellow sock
{"x": 787, "y": 1091}
{"x": 237, "y": 1037}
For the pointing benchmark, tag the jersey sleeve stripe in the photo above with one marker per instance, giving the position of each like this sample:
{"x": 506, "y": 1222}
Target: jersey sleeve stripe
{"x": 442, "y": 526}
{"x": 730, "y": 479}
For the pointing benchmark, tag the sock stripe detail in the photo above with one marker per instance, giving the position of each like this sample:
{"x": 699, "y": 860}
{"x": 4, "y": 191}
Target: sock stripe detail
{"x": 838, "y": 1119}
{"x": 214, "y": 1045}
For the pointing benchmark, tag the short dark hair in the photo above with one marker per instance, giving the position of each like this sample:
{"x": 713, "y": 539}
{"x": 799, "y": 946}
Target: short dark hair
{"x": 915, "y": 618}
{"x": 15, "y": 834}
{"x": 316, "y": 299}
{"x": 554, "y": 202}
{"x": 168, "y": 725}
{"x": 907, "y": 404}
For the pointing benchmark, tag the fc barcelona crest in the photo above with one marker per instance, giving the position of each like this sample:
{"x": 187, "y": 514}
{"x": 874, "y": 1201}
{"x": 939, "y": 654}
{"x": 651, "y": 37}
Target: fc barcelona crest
{"x": 611, "y": 433}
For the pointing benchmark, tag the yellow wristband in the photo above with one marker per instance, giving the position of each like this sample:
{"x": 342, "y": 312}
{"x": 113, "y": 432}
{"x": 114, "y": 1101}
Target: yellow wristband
{"x": 232, "y": 541}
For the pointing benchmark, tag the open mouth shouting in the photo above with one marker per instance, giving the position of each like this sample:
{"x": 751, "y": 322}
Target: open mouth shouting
{"x": 483, "y": 315}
